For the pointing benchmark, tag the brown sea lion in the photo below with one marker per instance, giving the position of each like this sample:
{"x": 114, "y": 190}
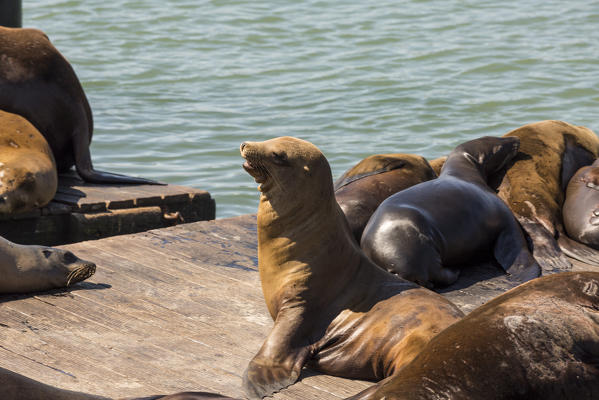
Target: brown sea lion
{"x": 537, "y": 341}
{"x": 39, "y": 84}
{"x": 534, "y": 182}
{"x": 26, "y": 269}
{"x": 362, "y": 188}
{"x": 28, "y": 176}
{"x": 333, "y": 308}
{"x": 581, "y": 208}
{"x": 426, "y": 233}
{"x": 437, "y": 164}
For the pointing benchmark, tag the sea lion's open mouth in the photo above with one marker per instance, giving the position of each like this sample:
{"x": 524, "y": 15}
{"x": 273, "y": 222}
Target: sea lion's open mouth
{"x": 82, "y": 273}
{"x": 254, "y": 171}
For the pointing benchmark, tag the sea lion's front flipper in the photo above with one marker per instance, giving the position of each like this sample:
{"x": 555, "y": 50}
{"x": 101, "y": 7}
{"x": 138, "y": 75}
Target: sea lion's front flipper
{"x": 578, "y": 251}
{"x": 544, "y": 247}
{"x": 512, "y": 254}
{"x": 280, "y": 360}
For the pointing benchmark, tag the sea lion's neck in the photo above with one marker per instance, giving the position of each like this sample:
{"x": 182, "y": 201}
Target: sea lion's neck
{"x": 464, "y": 166}
{"x": 300, "y": 250}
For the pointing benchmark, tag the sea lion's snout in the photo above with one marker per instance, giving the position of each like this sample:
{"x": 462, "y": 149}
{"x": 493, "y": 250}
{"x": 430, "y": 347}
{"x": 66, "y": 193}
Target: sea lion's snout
{"x": 252, "y": 165}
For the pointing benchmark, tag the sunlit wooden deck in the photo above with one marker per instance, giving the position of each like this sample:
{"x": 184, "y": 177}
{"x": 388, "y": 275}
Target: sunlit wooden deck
{"x": 168, "y": 310}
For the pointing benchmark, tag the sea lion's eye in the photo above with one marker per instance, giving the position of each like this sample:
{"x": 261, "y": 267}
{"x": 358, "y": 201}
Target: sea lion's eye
{"x": 280, "y": 158}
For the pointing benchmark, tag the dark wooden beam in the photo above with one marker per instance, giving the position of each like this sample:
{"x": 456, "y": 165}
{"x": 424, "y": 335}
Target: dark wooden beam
{"x": 10, "y": 13}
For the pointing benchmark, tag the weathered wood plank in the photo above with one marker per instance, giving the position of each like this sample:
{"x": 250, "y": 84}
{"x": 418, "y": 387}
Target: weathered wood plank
{"x": 168, "y": 310}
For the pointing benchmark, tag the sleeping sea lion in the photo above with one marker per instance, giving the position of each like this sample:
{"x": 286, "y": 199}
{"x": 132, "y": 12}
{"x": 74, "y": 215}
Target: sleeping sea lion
{"x": 427, "y": 232}
{"x": 187, "y": 396}
{"x": 19, "y": 387}
{"x": 362, "y": 188}
{"x": 39, "y": 84}
{"x": 581, "y": 208}
{"x": 26, "y": 269}
{"x": 28, "y": 178}
{"x": 333, "y": 308}
{"x": 537, "y": 341}
{"x": 534, "y": 182}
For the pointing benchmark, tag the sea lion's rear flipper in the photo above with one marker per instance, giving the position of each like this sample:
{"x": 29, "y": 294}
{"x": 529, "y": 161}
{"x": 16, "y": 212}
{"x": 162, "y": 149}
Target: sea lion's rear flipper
{"x": 512, "y": 254}
{"x": 578, "y": 251}
{"x": 85, "y": 169}
{"x": 278, "y": 363}
{"x": 544, "y": 247}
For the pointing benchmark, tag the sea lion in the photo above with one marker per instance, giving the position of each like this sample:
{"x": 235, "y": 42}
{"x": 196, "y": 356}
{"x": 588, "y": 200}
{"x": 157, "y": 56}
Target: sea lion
{"x": 437, "y": 164}
{"x": 26, "y": 269}
{"x": 581, "y": 208}
{"x": 534, "y": 182}
{"x": 19, "y": 387}
{"x": 187, "y": 396}
{"x": 427, "y": 232}
{"x": 362, "y": 188}
{"x": 537, "y": 341}
{"x": 333, "y": 308}
{"x": 28, "y": 176}
{"x": 39, "y": 84}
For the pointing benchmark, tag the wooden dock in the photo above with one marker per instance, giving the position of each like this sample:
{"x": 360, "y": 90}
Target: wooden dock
{"x": 168, "y": 310}
{"x": 83, "y": 211}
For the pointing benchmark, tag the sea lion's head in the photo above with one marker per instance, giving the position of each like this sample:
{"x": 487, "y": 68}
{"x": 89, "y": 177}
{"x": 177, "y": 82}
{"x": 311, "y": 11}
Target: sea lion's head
{"x": 286, "y": 168}
{"x": 408, "y": 168}
{"x": 490, "y": 153}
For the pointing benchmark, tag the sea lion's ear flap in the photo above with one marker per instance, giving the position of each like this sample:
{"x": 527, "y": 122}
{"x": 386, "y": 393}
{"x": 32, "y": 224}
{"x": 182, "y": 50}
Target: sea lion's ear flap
{"x": 307, "y": 169}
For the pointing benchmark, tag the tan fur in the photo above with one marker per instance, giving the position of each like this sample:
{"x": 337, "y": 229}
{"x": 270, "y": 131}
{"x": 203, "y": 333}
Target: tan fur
{"x": 387, "y": 162}
{"x": 537, "y": 341}
{"x": 437, "y": 164}
{"x": 28, "y": 177}
{"x": 532, "y": 185}
{"x": 329, "y": 302}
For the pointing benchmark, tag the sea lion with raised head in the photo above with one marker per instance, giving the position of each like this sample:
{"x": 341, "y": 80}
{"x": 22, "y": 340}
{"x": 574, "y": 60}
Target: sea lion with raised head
{"x": 26, "y": 269}
{"x": 427, "y": 232}
{"x": 39, "y": 84}
{"x": 362, "y": 188}
{"x": 537, "y": 341}
{"x": 333, "y": 308}
{"x": 581, "y": 207}
{"x": 534, "y": 182}
{"x": 28, "y": 178}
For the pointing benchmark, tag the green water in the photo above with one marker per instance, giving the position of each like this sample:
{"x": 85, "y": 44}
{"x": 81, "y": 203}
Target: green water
{"x": 176, "y": 86}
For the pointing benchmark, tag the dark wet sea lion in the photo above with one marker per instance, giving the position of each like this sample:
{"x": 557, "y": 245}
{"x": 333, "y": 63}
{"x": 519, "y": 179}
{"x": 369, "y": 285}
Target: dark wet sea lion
{"x": 362, "y": 188}
{"x": 19, "y": 387}
{"x": 537, "y": 341}
{"x": 15, "y": 386}
{"x": 26, "y": 269}
{"x": 39, "y": 84}
{"x": 333, "y": 308}
{"x": 581, "y": 208}
{"x": 28, "y": 178}
{"x": 533, "y": 185}
{"x": 427, "y": 232}
{"x": 188, "y": 396}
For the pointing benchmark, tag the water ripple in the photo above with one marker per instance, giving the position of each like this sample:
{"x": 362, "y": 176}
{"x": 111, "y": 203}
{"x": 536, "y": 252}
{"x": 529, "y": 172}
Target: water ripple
{"x": 175, "y": 87}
